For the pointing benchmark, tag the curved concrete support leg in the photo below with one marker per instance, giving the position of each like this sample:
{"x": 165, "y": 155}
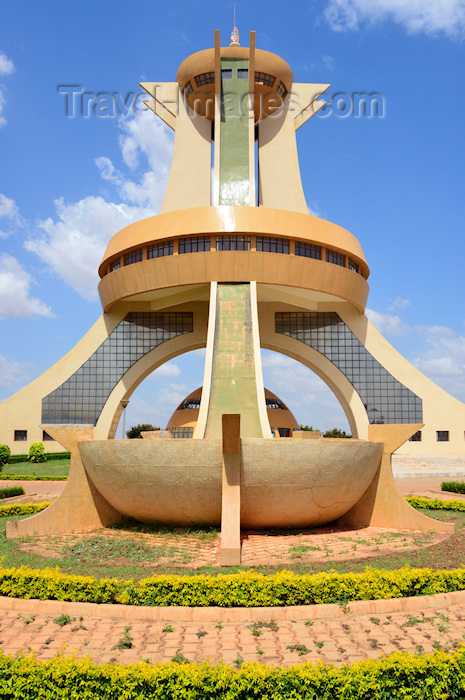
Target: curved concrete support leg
{"x": 382, "y": 505}
{"x": 80, "y": 507}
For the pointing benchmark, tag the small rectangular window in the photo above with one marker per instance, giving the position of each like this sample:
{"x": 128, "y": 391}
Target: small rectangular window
{"x": 20, "y": 435}
{"x": 191, "y": 403}
{"x": 281, "y": 90}
{"x": 160, "y": 250}
{"x": 182, "y": 432}
{"x": 335, "y": 258}
{"x": 46, "y": 436}
{"x": 226, "y": 74}
{"x": 133, "y": 257}
{"x": 264, "y": 79}
{"x": 188, "y": 90}
{"x": 243, "y": 73}
{"x": 115, "y": 265}
{"x": 353, "y": 265}
{"x": 272, "y": 245}
{"x": 233, "y": 243}
{"x": 196, "y": 244}
{"x": 307, "y": 250}
{"x": 284, "y": 432}
{"x": 416, "y": 437}
{"x": 205, "y": 78}
{"x": 442, "y": 435}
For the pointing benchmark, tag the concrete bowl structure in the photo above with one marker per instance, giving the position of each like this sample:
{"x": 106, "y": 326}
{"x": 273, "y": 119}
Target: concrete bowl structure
{"x": 284, "y": 483}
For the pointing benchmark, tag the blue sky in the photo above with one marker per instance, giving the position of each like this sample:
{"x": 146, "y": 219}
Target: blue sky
{"x": 68, "y": 184}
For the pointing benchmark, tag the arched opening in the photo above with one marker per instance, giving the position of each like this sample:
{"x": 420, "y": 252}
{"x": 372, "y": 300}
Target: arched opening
{"x": 304, "y": 392}
{"x": 158, "y": 395}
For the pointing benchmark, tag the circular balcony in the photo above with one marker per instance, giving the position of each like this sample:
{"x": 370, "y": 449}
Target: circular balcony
{"x": 233, "y": 244}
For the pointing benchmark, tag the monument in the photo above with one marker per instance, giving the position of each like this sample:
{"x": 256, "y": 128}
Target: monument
{"x": 233, "y": 262}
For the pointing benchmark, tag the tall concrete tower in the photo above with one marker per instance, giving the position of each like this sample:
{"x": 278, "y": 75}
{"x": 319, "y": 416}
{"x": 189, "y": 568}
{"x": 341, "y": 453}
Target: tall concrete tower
{"x": 234, "y": 262}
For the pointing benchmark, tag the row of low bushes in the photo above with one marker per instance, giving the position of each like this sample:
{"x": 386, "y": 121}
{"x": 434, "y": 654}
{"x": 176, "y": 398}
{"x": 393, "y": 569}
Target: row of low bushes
{"x": 454, "y": 486}
{"x": 31, "y": 477}
{"x": 400, "y": 676}
{"x": 49, "y": 456}
{"x": 22, "y": 508}
{"x": 435, "y": 503}
{"x": 11, "y": 491}
{"x": 244, "y": 589}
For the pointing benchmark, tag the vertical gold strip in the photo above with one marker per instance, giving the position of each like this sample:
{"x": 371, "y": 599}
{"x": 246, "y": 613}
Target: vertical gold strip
{"x": 216, "y": 160}
{"x": 251, "y": 115}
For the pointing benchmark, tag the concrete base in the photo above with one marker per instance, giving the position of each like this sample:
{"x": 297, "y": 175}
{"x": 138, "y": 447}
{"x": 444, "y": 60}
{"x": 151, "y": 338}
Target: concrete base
{"x": 230, "y": 552}
{"x": 382, "y": 505}
{"x": 80, "y": 507}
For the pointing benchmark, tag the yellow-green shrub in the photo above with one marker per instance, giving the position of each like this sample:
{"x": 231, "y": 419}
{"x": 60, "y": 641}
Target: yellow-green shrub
{"x": 51, "y": 584}
{"x": 245, "y": 589}
{"x": 31, "y": 477}
{"x": 435, "y": 503}
{"x": 400, "y": 676}
{"x": 251, "y": 589}
{"x": 22, "y": 508}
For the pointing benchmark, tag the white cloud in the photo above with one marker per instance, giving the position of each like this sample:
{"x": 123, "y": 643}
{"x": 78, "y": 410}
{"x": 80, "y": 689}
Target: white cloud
{"x": 11, "y": 218}
{"x": 8, "y": 207}
{"x": 387, "y": 324}
{"x": 6, "y": 65}
{"x": 2, "y": 105}
{"x": 399, "y": 303}
{"x": 169, "y": 370}
{"x": 442, "y": 354}
{"x": 6, "y": 68}
{"x": 444, "y": 359}
{"x": 13, "y": 373}
{"x": 325, "y": 64}
{"x": 14, "y": 291}
{"x": 427, "y": 16}
{"x": 72, "y": 243}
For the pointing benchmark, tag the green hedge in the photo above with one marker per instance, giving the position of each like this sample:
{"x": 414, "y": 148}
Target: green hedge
{"x": 49, "y": 456}
{"x": 401, "y": 676}
{"x": 11, "y": 491}
{"x": 454, "y": 486}
{"x": 31, "y": 477}
{"x": 22, "y": 509}
{"x": 50, "y": 584}
{"x": 435, "y": 503}
{"x": 245, "y": 589}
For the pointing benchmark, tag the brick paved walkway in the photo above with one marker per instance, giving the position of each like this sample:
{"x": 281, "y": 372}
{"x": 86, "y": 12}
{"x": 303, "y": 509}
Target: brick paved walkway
{"x": 281, "y": 636}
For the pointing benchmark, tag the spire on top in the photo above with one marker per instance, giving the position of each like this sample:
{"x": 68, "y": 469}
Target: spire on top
{"x": 234, "y": 41}
{"x": 234, "y": 37}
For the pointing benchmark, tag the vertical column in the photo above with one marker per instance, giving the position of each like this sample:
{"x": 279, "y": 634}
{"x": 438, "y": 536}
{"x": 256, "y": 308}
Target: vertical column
{"x": 234, "y": 160}
{"x": 230, "y": 553}
{"x": 251, "y": 118}
{"x": 217, "y": 126}
{"x": 233, "y": 383}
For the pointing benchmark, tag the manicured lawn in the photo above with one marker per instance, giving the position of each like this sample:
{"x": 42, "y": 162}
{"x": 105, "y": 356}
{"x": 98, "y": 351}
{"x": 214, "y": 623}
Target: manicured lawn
{"x": 56, "y": 467}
